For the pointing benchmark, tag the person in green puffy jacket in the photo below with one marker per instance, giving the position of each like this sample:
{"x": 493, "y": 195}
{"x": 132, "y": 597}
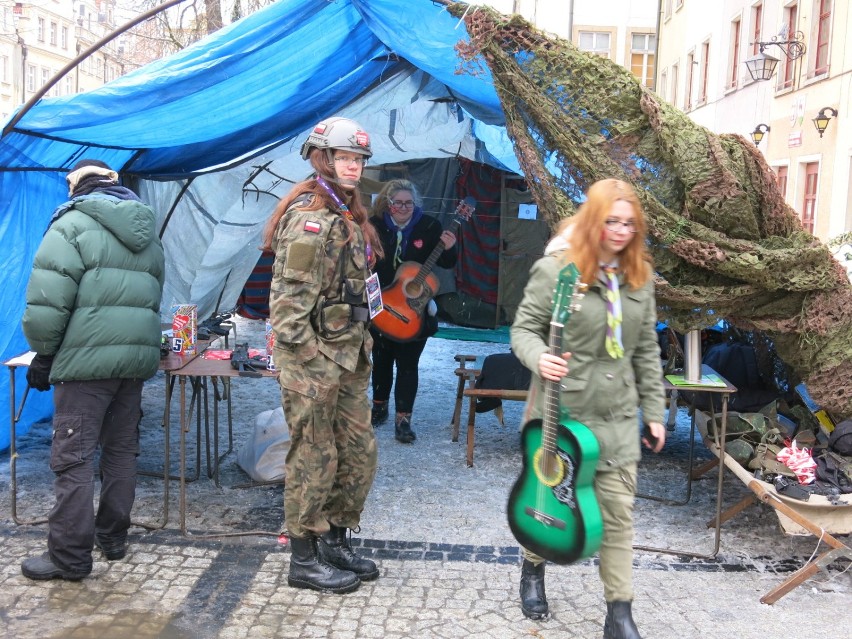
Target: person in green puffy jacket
{"x": 92, "y": 318}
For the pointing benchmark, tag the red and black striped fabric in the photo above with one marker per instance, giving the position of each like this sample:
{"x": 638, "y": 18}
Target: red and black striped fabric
{"x": 253, "y": 302}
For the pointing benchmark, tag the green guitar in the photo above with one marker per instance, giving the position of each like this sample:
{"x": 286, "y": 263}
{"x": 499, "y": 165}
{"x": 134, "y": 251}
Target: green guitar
{"x": 552, "y": 507}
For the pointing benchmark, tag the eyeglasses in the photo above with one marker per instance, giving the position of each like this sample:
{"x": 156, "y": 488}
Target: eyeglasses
{"x": 402, "y": 204}
{"x": 346, "y": 160}
{"x": 614, "y": 224}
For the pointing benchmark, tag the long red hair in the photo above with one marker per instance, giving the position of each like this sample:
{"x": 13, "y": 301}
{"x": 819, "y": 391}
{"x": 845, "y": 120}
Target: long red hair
{"x": 586, "y": 228}
{"x": 319, "y": 160}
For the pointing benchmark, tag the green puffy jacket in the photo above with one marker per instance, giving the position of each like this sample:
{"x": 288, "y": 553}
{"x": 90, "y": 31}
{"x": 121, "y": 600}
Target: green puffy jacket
{"x": 93, "y": 297}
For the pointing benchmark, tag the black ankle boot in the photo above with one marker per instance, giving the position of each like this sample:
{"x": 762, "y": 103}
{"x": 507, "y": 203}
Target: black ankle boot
{"x": 334, "y": 549}
{"x": 403, "y": 433}
{"x": 533, "y": 599}
{"x": 379, "y": 413}
{"x": 619, "y": 621}
{"x": 308, "y": 571}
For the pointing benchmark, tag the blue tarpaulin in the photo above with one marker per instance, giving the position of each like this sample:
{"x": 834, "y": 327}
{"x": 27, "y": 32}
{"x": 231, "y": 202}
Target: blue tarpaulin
{"x": 249, "y": 92}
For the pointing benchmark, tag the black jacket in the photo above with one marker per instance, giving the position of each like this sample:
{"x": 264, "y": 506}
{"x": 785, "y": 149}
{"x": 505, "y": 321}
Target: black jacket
{"x": 424, "y": 237}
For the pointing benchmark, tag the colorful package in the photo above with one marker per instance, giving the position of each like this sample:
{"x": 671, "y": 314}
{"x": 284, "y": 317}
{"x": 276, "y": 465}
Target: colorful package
{"x": 185, "y": 328}
{"x": 270, "y": 346}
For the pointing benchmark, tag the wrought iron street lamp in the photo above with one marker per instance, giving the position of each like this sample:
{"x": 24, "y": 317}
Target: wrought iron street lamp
{"x": 821, "y": 120}
{"x": 759, "y": 131}
{"x": 762, "y": 66}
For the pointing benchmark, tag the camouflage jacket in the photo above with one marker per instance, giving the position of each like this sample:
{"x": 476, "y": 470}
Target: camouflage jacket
{"x": 318, "y": 284}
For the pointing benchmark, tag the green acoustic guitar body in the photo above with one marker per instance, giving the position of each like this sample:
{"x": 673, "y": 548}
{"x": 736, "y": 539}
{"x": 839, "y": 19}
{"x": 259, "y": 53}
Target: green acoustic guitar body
{"x": 555, "y": 513}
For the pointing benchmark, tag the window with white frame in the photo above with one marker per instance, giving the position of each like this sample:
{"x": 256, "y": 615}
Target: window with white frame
{"x": 822, "y": 35}
{"x": 734, "y": 54}
{"x": 597, "y": 42}
{"x": 31, "y": 77}
{"x": 40, "y": 32}
{"x": 781, "y": 180}
{"x": 664, "y": 84}
{"x": 45, "y": 76}
{"x": 756, "y": 27}
{"x": 690, "y": 79}
{"x": 808, "y": 213}
{"x": 785, "y": 74}
{"x": 705, "y": 72}
{"x": 674, "y": 85}
{"x": 642, "y": 48}
{"x": 63, "y": 37}
{"x": 4, "y": 69}
{"x": 53, "y": 32}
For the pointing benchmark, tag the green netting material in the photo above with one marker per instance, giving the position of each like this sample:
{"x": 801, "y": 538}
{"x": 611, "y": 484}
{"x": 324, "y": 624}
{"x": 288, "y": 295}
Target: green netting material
{"x": 724, "y": 242}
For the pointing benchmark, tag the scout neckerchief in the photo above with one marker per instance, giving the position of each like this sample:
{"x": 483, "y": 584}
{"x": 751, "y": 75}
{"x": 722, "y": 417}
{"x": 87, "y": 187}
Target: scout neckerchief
{"x": 403, "y": 233}
{"x": 614, "y": 346}
{"x": 345, "y": 212}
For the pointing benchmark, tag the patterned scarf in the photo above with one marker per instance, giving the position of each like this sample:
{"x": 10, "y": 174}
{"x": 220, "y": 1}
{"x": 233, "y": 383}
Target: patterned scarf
{"x": 614, "y": 346}
{"x": 403, "y": 234}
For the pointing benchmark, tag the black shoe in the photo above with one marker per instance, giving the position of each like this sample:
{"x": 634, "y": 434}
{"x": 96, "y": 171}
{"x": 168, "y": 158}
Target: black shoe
{"x": 404, "y": 434}
{"x": 334, "y": 549}
{"x": 42, "y": 568}
{"x": 619, "y": 621}
{"x": 379, "y": 413}
{"x": 307, "y": 570}
{"x": 113, "y": 549}
{"x": 533, "y": 598}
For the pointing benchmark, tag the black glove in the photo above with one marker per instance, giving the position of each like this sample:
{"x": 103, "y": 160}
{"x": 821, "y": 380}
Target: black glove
{"x": 38, "y": 375}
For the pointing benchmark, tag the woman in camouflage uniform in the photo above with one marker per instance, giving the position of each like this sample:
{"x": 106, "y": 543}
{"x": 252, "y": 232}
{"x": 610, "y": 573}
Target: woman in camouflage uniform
{"x": 324, "y": 250}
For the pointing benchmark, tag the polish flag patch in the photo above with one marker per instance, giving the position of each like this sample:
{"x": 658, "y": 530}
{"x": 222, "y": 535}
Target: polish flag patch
{"x": 312, "y": 227}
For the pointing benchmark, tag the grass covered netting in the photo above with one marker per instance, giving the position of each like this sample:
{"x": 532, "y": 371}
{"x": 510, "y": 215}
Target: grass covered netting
{"x": 724, "y": 242}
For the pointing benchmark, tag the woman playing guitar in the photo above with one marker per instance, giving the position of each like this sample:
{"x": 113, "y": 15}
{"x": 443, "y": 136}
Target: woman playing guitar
{"x": 610, "y": 368}
{"x": 408, "y": 236}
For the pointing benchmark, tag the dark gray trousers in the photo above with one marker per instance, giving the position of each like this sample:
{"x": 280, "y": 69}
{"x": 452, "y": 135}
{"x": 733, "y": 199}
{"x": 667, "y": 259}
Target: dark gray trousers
{"x": 87, "y": 415}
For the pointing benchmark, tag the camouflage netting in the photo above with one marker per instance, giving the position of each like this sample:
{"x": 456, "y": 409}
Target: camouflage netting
{"x": 724, "y": 242}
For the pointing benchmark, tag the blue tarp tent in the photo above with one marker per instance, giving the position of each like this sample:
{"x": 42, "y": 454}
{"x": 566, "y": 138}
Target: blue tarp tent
{"x": 212, "y": 135}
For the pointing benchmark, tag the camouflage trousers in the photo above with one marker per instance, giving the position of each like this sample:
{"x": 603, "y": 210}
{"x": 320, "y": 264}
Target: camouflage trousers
{"x": 332, "y": 459}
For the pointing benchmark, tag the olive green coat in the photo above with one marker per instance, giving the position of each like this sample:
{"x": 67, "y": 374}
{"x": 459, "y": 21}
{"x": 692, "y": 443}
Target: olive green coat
{"x": 601, "y": 392}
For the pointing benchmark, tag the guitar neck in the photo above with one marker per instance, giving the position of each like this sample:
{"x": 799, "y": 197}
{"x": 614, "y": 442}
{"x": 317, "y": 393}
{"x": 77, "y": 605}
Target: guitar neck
{"x": 429, "y": 264}
{"x": 552, "y": 409}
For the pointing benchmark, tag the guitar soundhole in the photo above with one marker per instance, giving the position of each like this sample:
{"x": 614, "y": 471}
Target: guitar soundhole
{"x": 548, "y": 468}
{"x": 412, "y": 289}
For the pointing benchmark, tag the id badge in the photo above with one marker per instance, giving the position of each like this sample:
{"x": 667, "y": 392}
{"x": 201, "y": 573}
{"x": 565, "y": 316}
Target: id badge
{"x": 374, "y": 295}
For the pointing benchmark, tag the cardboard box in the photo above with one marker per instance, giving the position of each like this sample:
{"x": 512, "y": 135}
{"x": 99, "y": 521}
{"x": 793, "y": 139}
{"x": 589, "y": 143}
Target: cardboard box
{"x": 185, "y": 328}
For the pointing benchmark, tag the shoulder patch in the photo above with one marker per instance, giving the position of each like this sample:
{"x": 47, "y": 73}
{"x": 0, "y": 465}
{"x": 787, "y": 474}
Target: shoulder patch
{"x": 300, "y": 257}
{"x": 312, "y": 227}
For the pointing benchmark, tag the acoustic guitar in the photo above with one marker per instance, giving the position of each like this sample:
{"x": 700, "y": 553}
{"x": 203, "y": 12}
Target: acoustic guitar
{"x": 552, "y": 507}
{"x": 406, "y": 298}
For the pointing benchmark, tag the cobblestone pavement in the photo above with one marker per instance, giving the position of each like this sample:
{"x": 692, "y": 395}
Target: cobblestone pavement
{"x": 173, "y": 587}
{"x": 449, "y": 565}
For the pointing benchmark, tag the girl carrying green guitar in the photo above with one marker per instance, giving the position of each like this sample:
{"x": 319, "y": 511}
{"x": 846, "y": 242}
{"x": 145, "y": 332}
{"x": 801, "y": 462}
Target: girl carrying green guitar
{"x": 609, "y": 370}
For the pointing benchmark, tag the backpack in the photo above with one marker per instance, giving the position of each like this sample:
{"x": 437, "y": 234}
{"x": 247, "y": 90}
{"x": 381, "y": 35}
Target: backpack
{"x": 736, "y": 362}
{"x": 840, "y": 440}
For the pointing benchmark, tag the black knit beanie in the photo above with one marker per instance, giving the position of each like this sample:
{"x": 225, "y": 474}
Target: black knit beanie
{"x": 84, "y": 162}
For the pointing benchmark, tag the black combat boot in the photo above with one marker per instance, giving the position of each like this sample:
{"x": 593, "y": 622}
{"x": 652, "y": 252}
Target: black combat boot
{"x": 308, "y": 571}
{"x": 334, "y": 549}
{"x": 379, "y": 413}
{"x": 403, "y": 433}
{"x": 533, "y": 599}
{"x": 619, "y": 621}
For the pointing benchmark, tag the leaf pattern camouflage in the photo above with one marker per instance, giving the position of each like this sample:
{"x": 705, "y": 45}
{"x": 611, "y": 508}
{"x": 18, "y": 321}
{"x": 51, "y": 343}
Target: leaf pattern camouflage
{"x": 724, "y": 242}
